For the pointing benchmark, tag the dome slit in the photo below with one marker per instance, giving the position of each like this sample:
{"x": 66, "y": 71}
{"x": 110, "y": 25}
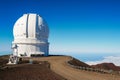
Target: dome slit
{"x": 27, "y": 26}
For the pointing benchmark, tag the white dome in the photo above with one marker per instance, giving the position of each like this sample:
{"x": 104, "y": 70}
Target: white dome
{"x": 30, "y": 36}
{"x": 30, "y": 26}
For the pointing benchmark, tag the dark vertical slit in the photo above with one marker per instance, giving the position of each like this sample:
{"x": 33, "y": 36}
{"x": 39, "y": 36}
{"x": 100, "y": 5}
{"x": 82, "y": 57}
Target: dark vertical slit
{"x": 27, "y": 26}
{"x": 36, "y": 27}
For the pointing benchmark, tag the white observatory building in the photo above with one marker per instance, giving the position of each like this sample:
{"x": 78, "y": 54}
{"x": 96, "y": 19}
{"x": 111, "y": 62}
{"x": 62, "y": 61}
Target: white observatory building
{"x": 30, "y": 36}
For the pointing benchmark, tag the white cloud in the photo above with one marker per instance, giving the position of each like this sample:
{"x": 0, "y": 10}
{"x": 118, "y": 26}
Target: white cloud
{"x": 77, "y": 49}
{"x": 109, "y": 59}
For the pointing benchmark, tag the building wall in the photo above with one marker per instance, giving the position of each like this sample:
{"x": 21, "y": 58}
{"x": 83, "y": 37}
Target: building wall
{"x": 27, "y": 49}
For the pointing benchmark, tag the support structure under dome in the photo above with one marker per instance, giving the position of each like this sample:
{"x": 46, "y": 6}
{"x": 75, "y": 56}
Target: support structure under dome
{"x": 30, "y": 36}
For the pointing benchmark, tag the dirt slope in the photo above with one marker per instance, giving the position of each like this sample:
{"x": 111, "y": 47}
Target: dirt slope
{"x": 29, "y": 72}
{"x": 107, "y": 66}
{"x": 60, "y": 66}
{"x": 76, "y": 62}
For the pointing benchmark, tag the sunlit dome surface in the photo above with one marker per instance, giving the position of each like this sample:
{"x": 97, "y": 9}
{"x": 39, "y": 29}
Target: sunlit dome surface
{"x": 31, "y": 35}
{"x": 30, "y": 26}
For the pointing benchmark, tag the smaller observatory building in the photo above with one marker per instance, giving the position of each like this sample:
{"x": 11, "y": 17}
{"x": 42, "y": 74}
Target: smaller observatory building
{"x": 30, "y": 36}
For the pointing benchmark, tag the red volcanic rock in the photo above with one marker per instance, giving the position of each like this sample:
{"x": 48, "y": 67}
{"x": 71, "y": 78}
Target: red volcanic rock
{"x": 76, "y": 62}
{"x": 25, "y": 71}
{"x": 29, "y": 72}
{"x": 107, "y": 66}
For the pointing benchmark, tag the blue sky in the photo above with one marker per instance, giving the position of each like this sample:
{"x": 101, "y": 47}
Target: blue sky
{"x": 78, "y": 26}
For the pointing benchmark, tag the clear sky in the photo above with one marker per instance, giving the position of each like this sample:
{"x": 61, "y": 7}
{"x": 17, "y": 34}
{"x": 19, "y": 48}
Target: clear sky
{"x": 80, "y": 26}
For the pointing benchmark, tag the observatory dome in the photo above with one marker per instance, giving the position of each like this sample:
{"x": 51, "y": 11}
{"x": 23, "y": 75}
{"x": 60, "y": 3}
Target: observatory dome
{"x": 30, "y": 26}
{"x": 30, "y": 35}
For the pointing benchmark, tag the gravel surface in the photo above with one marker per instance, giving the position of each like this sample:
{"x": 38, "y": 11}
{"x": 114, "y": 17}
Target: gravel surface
{"x": 59, "y": 65}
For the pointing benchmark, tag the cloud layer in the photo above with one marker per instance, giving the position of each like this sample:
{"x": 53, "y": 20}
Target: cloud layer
{"x": 109, "y": 59}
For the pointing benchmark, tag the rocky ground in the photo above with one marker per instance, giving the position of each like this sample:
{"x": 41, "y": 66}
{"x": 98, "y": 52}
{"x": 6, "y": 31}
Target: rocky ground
{"x": 24, "y": 71}
{"x": 59, "y": 68}
{"x": 107, "y": 66}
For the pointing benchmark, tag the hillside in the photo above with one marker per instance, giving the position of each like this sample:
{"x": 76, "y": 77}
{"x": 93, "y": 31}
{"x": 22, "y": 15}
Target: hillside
{"x": 59, "y": 66}
{"x": 107, "y": 66}
{"x": 4, "y": 59}
{"x": 76, "y": 62}
{"x": 29, "y": 72}
{"x": 24, "y": 71}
